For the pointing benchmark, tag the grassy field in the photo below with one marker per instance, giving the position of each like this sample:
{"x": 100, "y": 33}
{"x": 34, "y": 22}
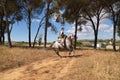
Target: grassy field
{"x": 16, "y": 57}
{"x": 44, "y": 64}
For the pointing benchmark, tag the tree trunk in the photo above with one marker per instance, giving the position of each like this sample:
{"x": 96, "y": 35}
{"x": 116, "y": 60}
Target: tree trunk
{"x": 0, "y": 39}
{"x": 7, "y": 26}
{"x": 3, "y": 32}
{"x": 114, "y": 37}
{"x": 40, "y": 24}
{"x": 1, "y": 29}
{"x": 95, "y": 40}
{"x": 3, "y": 38}
{"x": 46, "y": 24}
{"x": 29, "y": 27}
{"x": 8, "y": 33}
{"x": 76, "y": 21}
{"x": 36, "y": 35}
{"x": 96, "y": 31}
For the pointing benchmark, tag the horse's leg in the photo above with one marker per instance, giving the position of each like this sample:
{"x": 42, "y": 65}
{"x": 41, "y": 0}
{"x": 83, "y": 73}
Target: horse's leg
{"x": 57, "y": 52}
{"x": 71, "y": 50}
{"x": 69, "y": 53}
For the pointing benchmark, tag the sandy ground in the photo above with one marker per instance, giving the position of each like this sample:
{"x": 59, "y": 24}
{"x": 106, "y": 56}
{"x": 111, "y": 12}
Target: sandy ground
{"x": 77, "y": 67}
{"x": 48, "y": 69}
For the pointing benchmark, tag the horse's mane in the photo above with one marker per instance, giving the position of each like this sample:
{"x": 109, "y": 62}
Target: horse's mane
{"x": 69, "y": 35}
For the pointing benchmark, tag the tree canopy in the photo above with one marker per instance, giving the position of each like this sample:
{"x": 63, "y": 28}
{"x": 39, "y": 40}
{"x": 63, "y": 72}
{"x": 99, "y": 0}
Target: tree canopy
{"x": 71, "y": 11}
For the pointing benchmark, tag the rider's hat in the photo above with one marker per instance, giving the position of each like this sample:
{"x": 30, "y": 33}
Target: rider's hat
{"x": 62, "y": 28}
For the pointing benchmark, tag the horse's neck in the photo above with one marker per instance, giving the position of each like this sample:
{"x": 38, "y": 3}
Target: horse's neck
{"x": 68, "y": 39}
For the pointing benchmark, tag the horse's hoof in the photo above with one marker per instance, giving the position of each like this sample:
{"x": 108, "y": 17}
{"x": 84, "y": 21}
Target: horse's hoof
{"x": 60, "y": 56}
{"x": 69, "y": 54}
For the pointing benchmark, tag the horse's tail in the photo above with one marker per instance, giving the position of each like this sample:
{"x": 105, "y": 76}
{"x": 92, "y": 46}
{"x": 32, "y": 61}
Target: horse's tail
{"x": 52, "y": 44}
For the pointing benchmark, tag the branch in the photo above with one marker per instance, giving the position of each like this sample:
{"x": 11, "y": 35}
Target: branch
{"x": 102, "y": 15}
{"x": 40, "y": 24}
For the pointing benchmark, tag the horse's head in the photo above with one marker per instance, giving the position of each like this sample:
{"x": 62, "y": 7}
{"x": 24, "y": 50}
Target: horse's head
{"x": 71, "y": 36}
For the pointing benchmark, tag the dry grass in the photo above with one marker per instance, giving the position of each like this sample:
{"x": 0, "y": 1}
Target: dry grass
{"x": 45, "y": 65}
{"x": 16, "y": 57}
{"x": 100, "y": 65}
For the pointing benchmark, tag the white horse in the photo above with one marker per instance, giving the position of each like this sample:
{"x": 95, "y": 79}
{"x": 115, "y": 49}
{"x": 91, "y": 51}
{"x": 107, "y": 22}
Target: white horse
{"x": 66, "y": 45}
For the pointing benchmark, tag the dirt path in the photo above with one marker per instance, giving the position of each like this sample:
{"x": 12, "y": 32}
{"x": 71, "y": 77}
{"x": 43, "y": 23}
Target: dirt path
{"x": 47, "y": 69}
{"x": 92, "y": 65}
{"x": 65, "y": 69}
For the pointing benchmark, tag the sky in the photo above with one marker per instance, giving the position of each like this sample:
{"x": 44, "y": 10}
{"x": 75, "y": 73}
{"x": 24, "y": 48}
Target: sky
{"x": 20, "y": 31}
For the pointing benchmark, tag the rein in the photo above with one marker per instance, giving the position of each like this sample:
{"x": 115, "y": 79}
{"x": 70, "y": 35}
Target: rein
{"x": 65, "y": 42}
